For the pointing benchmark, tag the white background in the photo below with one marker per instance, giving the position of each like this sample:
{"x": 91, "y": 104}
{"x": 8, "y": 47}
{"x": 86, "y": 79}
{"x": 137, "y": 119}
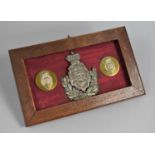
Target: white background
{"x": 134, "y": 115}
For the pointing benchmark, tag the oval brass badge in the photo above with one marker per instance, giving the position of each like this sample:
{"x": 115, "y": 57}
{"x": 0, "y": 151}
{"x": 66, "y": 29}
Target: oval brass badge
{"x": 109, "y": 66}
{"x": 46, "y": 80}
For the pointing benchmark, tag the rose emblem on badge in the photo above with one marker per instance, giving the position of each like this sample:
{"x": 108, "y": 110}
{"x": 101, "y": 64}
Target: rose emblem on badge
{"x": 46, "y": 80}
{"x": 109, "y": 66}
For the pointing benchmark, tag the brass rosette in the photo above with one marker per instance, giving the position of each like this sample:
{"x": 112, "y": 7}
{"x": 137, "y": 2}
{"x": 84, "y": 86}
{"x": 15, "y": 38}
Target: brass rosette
{"x": 109, "y": 66}
{"x": 46, "y": 80}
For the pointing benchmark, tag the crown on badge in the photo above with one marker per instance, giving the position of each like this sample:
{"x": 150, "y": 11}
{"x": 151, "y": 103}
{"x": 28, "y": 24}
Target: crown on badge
{"x": 73, "y": 56}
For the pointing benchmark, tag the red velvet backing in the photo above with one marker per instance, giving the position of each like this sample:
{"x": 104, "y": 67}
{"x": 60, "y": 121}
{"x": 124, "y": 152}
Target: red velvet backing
{"x": 56, "y": 62}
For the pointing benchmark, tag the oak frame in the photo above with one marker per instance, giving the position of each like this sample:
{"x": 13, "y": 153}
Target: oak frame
{"x": 32, "y": 116}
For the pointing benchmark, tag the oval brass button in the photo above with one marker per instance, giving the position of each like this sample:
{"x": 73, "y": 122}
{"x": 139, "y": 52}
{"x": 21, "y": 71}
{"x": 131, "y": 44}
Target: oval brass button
{"x": 109, "y": 66}
{"x": 46, "y": 80}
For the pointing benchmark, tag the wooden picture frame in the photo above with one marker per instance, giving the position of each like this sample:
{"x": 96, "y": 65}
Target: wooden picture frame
{"x": 32, "y": 116}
